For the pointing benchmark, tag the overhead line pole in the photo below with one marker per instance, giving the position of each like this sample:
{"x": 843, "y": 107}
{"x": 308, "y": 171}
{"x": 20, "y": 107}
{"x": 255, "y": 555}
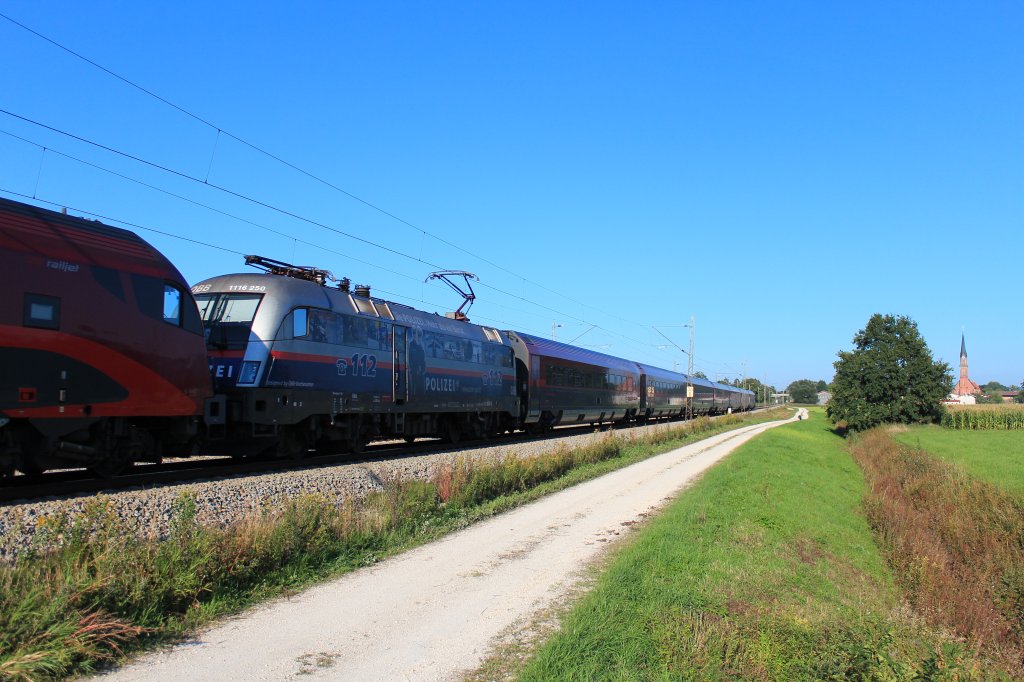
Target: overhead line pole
{"x": 689, "y": 374}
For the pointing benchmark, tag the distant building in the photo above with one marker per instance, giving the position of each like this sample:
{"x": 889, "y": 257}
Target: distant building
{"x": 824, "y": 397}
{"x": 965, "y": 390}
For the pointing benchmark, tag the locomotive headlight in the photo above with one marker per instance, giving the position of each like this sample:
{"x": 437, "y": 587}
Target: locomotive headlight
{"x": 250, "y": 368}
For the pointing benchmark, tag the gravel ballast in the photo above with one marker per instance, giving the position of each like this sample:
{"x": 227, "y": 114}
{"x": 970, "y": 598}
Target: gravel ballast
{"x": 225, "y": 501}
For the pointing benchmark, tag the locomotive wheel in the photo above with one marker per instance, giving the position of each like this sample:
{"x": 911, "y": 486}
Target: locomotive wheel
{"x": 111, "y": 467}
{"x": 292, "y": 445}
{"x": 453, "y": 432}
{"x": 356, "y": 444}
{"x": 7, "y": 459}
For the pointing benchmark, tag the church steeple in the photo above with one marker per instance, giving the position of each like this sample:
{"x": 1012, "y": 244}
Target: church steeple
{"x": 965, "y": 386}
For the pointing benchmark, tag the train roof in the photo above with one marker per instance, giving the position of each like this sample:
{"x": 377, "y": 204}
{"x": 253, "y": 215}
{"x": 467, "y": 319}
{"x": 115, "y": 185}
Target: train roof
{"x": 70, "y": 241}
{"x": 563, "y": 351}
{"x": 291, "y": 292}
{"x": 661, "y": 373}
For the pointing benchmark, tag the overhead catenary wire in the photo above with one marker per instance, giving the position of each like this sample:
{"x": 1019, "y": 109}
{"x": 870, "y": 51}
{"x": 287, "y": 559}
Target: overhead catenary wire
{"x": 290, "y": 214}
{"x": 220, "y": 130}
{"x": 130, "y": 224}
{"x": 148, "y": 228}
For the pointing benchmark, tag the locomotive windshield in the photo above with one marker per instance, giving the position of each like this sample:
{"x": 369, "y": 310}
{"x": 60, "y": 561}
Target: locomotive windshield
{"x": 227, "y": 319}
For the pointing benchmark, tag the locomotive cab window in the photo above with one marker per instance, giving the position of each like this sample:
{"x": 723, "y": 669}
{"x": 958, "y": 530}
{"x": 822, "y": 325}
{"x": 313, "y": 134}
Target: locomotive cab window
{"x": 172, "y": 305}
{"x": 227, "y": 319}
{"x": 300, "y": 323}
{"x": 41, "y": 311}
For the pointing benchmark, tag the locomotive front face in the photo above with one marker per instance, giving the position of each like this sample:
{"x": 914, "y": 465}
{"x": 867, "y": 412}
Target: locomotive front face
{"x": 227, "y": 324}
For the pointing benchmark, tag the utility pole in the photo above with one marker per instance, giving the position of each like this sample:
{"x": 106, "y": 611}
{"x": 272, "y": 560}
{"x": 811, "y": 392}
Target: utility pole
{"x": 689, "y": 374}
{"x": 554, "y": 326}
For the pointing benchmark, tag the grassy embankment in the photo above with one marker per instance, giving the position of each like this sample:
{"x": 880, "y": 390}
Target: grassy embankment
{"x": 954, "y": 540}
{"x": 104, "y": 592}
{"x": 766, "y": 569}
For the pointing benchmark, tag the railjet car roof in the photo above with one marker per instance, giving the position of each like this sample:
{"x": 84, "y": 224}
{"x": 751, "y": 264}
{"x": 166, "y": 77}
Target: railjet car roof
{"x": 659, "y": 373}
{"x": 564, "y": 351}
{"x": 69, "y": 242}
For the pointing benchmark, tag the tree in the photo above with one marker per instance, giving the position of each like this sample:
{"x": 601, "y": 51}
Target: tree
{"x": 803, "y": 391}
{"x": 821, "y": 385}
{"x": 889, "y": 377}
{"x": 700, "y": 375}
{"x": 761, "y": 391}
{"x": 993, "y": 387}
{"x": 1020, "y": 394}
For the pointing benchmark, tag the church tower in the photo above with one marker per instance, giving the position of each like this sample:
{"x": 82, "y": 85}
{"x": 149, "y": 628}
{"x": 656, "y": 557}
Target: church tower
{"x": 965, "y": 386}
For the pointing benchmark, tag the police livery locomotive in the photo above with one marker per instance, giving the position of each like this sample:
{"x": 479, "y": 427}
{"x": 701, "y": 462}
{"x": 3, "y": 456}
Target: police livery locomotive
{"x": 107, "y": 358}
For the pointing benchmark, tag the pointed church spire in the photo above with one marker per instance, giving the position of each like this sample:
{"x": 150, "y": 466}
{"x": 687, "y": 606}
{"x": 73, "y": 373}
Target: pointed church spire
{"x": 963, "y": 347}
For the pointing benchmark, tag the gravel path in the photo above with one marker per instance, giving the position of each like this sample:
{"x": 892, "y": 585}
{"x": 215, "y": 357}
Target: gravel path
{"x": 227, "y": 500}
{"x": 435, "y": 612}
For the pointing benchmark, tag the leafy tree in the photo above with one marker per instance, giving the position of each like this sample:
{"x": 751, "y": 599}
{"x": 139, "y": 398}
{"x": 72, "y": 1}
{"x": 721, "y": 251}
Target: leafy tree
{"x": 821, "y": 385}
{"x": 990, "y": 398}
{"x": 993, "y": 387}
{"x": 1020, "y": 395}
{"x": 761, "y": 391}
{"x": 803, "y": 391}
{"x": 700, "y": 375}
{"x": 889, "y": 377}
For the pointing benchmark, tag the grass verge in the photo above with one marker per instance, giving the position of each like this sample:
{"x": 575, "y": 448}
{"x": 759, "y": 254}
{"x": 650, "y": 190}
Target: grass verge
{"x": 103, "y": 592}
{"x": 766, "y": 569}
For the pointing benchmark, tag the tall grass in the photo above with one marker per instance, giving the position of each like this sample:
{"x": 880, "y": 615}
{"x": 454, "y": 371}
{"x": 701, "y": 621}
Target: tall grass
{"x": 984, "y": 417}
{"x": 91, "y": 589}
{"x": 954, "y": 542}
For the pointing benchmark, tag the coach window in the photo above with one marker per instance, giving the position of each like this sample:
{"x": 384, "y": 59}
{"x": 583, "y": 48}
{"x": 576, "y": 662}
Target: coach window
{"x": 41, "y": 311}
{"x": 172, "y": 305}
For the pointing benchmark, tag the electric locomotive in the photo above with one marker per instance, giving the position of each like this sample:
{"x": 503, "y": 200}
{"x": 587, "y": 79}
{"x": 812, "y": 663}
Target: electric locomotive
{"x": 299, "y": 365}
{"x": 102, "y": 360}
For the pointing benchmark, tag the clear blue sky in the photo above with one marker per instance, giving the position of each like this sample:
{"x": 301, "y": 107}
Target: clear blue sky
{"x": 779, "y": 171}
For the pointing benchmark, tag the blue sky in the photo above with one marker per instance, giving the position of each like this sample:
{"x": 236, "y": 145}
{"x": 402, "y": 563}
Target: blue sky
{"x": 778, "y": 171}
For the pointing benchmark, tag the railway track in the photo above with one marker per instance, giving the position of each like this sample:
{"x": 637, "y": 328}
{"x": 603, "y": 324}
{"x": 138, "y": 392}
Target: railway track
{"x": 68, "y": 483}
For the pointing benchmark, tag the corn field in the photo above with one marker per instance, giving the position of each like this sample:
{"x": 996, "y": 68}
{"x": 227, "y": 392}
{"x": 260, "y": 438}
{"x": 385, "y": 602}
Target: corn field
{"x": 985, "y": 418}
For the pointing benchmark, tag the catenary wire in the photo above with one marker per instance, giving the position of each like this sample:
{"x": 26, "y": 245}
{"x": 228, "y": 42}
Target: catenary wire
{"x": 221, "y": 131}
{"x": 291, "y": 214}
{"x": 317, "y": 178}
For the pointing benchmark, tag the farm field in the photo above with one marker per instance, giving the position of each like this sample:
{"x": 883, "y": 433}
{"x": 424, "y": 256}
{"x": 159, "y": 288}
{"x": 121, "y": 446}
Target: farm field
{"x": 996, "y": 457}
{"x": 766, "y": 569}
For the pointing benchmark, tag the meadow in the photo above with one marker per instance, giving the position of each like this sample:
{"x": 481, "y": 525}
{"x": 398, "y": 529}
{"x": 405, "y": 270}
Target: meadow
{"x": 996, "y": 457}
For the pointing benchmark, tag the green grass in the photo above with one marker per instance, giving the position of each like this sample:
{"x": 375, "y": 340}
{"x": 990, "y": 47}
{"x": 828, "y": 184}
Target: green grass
{"x": 766, "y": 569}
{"x": 103, "y": 592}
{"x": 996, "y": 457}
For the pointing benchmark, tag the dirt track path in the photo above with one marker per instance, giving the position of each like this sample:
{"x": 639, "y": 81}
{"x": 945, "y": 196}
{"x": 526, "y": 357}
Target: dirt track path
{"x": 435, "y": 612}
